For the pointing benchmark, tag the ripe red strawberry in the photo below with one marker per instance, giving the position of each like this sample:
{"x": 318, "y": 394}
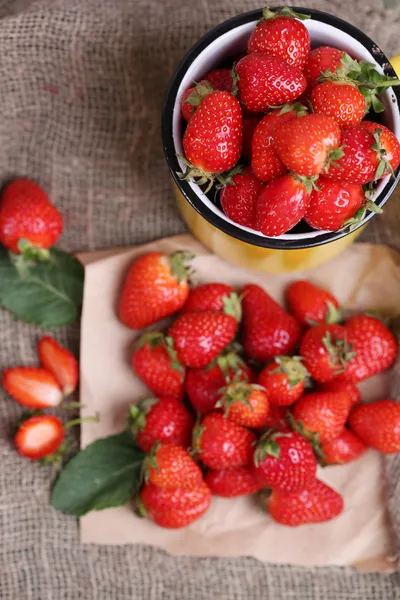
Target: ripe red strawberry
{"x": 280, "y": 33}
{"x": 333, "y": 204}
{"x": 32, "y": 387}
{"x": 360, "y": 161}
{"x": 215, "y": 297}
{"x": 284, "y": 462}
{"x": 378, "y": 425}
{"x": 267, "y": 81}
{"x": 238, "y": 201}
{"x": 59, "y": 361}
{"x": 321, "y": 416}
{"x": 220, "y": 79}
{"x": 281, "y": 204}
{"x": 388, "y": 142}
{"x": 162, "y": 419}
{"x": 222, "y": 444}
{"x": 245, "y": 404}
{"x": 374, "y": 344}
{"x": 339, "y": 384}
{"x": 342, "y": 450}
{"x": 305, "y": 145}
{"x": 28, "y": 218}
{"x": 155, "y": 287}
{"x": 277, "y": 418}
{"x": 326, "y": 350}
{"x": 155, "y": 362}
{"x": 268, "y": 330}
{"x": 39, "y": 436}
{"x": 231, "y": 483}
{"x": 284, "y": 380}
{"x": 342, "y": 102}
{"x": 169, "y": 466}
{"x": 192, "y": 98}
{"x": 199, "y": 337}
{"x": 310, "y": 304}
{"x": 173, "y": 509}
{"x": 320, "y": 60}
{"x": 317, "y": 504}
{"x": 249, "y": 125}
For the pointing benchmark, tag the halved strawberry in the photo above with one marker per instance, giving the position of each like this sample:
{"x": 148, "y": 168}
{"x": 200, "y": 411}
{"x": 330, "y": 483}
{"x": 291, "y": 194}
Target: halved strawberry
{"x": 32, "y": 387}
{"x": 59, "y": 361}
{"x": 39, "y": 436}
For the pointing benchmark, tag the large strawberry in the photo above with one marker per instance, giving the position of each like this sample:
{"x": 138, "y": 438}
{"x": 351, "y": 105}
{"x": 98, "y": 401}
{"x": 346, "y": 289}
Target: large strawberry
{"x": 324, "y": 58}
{"x": 169, "y": 466}
{"x": 326, "y": 350}
{"x": 389, "y": 145}
{"x": 342, "y": 102}
{"x": 155, "y": 287}
{"x": 378, "y": 425}
{"x": 341, "y": 384}
{"x": 246, "y": 404}
{"x": 321, "y": 416}
{"x": 284, "y": 380}
{"x": 334, "y": 203}
{"x": 40, "y": 436}
{"x": 342, "y": 450}
{"x": 267, "y": 81}
{"x": 59, "y": 361}
{"x": 230, "y": 483}
{"x": 268, "y": 330}
{"x": 311, "y": 304}
{"x": 238, "y": 199}
{"x": 32, "y": 387}
{"x": 213, "y": 296}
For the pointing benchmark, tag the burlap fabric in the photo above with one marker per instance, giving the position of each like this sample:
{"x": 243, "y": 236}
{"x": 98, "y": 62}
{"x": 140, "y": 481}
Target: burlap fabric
{"x": 81, "y": 86}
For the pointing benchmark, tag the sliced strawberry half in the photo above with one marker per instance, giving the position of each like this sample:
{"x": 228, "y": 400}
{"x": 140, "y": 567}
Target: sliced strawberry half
{"x": 32, "y": 387}
{"x": 62, "y": 364}
{"x": 39, "y": 436}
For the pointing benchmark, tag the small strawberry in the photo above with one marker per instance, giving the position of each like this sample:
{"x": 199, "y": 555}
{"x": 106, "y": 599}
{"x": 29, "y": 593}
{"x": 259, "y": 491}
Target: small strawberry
{"x": 284, "y": 380}
{"x": 32, "y": 387}
{"x": 284, "y": 462}
{"x": 340, "y": 384}
{"x": 222, "y": 444}
{"x": 307, "y": 145}
{"x": 169, "y": 466}
{"x": 173, "y": 509}
{"x": 249, "y": 125}
{"x": 59, "y": 361}
{"x": 389, "y": 145}
{"x": 192, "y": 98}
{"x": 214, "y": 297}
{"x": 342, "y": 102}
{"x": 342, "y": 450}
{"x": 155, "y": 362}
{"x": 238, "y": 201}
{"x": 320, "y": 60}
{"x": 277, "y": 418}
{"x": 268, "y": 330}
{"x": 310, "y": 304}
{"x": 267, "y": 81}
{"x": 245, "y": 404}
{"x": 317, "y": 504}
{"x": 199, "y": 337}
{"x": 28, "y": 220}
{"x": 39, "y": 436}
{"x": 281, "y": 33}
{"x": 155, "y": 287}
{"x": 282, "y": 204}
{"x": 160, "y": 419}
{"x": 378, "y": 425}
{"x": 321, "y": 416}
{"x": 326, "y": 350}
{"x": 231, "y": 483}
{"x": 220, "y": 79}
{"x": 374, "y": 344}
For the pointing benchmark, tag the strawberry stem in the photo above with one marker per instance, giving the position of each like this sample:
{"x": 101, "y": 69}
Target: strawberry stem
{"x": 285, "y": 11}
{"x": 197, "y": 96}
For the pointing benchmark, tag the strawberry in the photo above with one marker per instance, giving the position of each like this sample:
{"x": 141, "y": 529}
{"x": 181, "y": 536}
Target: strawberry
{"x": 249, "y": 125}
{"x": 199, "y": 337}
{"x": 268, "y": 330}
{"x": 155, "y": 287}
{"x": 277, "y": 418}
{"x": 155, "y": 362}
{"x": 310, "y": 304}
{"x": 342, "y": 450}
{"x": 59, "y": 361}
{"x": 39, "y": 436}
{"x": 378, "y": 425}
{"x": 333, "y": 204}
{"x": 284, "y": 380}
{"x": 214, "y": 297}
{"x": 32, "y": 387}
{"x": 326, "y": 351}
{"x": 281, "y": 204}
{"x": 317, "y": 504}
{"x": 238, "y": 201}
{"x": 28, "y": 219}
{"x": 284, "y": 462}
{"x": 339, "y": 384}
{"x": 173, "y": 508}
{"x": 374, "y": 344}
{"x": 280, "y": 33}
{"x": 320, "y": 60}
{"x": 162, "y": 419}
{"x": 192, "y": 98}
{"x": 342, "y": 102}
{"x": 267, "y": 81}
{"x": 169, "y": 466}
{"x": 230, "y": 483}
{"x": 213, "y": 138}
{"x": 321, "y": 416}
{"x": 222, "y": 444}
{"x": 245, "y": 404}
{"x": 220, "y": 79}
{"x": 306, "y": 145}
{"x": 389, "y": 145}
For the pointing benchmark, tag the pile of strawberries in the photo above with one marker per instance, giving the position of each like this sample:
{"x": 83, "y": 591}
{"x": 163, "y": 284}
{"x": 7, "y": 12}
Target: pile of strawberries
{"x": 274, "y": 393}
{"x": 283, "y": 133}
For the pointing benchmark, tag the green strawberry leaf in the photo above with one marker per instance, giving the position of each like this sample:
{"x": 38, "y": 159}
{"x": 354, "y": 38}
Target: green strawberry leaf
{"x": 47, "y": 293}
{"x": 106, "y": 473}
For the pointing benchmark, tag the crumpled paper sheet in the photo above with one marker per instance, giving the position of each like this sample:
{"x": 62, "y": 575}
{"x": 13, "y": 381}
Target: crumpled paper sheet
{"x": 363, "y": 277}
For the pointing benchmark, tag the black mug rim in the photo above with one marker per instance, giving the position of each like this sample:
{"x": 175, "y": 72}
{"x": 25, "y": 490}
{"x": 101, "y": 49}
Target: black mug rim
{"x": 169, "y": 147}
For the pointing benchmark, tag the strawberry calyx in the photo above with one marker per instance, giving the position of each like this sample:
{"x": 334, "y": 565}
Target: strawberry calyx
{"x": 28, "y": 256}
{"x": 235, "y": 80}
{"x": 311, "y": 436}
{"x": 292, "y": 367}
{"x": 285, "y": 11}
{"x": 309, "y": 183}
{"x": 139, "y": 508}
{"x": 333, "y": 314}
{"x": 332, "y": 157}
{"x": 150, "y": 461}
{"x": 170, "y": 348}
{"x": 239, "y": 391}
{"x": 157, "y": 338}
{"x": 200, "y": 177}
{"x": 297, "y": 107}
{"x": 198, "y": 430}
{"x": 340, "y": 352}
{"x": 268, "y": 446}
{"x": 137, "y": 414}
{"x": 197, "y": 96}
{"x": 233, "y": 306}
{"x": 180, "y": 267}
{"x": 384, "y": 165}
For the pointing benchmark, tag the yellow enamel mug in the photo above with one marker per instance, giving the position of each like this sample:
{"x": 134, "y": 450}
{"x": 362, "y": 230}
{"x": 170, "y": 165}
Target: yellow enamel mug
{"x": 302, "y": 248}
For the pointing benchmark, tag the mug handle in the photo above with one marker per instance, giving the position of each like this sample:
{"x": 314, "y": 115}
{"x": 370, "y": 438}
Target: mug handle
{"x": 395, "y": 61}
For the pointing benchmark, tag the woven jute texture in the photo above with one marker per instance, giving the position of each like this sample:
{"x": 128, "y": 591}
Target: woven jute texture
{"x": 81, "y": 86}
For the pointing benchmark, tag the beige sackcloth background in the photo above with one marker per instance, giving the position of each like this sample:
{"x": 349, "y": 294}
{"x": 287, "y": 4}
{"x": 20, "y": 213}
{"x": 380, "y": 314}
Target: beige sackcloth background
{"x": 81, "y": 87}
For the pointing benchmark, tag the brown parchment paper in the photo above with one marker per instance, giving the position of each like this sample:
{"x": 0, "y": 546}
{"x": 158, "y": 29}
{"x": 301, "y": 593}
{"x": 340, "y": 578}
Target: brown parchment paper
{"x": 363, "y": 277}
